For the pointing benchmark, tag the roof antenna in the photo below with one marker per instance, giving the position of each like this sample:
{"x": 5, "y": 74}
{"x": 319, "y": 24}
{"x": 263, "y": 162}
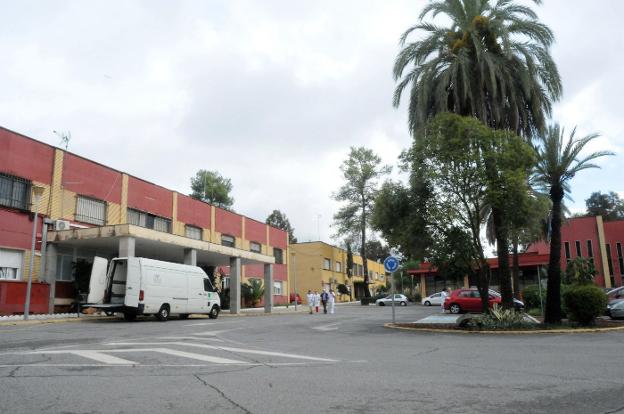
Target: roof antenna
{"x": 65, "y": 138}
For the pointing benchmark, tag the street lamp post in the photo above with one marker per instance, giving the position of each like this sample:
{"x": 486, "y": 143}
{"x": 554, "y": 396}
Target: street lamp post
{"x": 37, "y": 192}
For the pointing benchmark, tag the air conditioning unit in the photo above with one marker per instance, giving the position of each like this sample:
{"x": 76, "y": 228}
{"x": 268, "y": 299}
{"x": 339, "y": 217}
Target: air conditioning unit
{"x": 60, "y": 225}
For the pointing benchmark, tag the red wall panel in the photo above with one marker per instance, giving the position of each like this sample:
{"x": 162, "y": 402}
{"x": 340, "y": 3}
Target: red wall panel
{"x": 581, "y": 229}
{"x": 149, "y": 197}
{"x": 13, "y": 296}
{"x": 278, "y": 238}
{"x": 614, "y": 234}
{"x": 194, "y": 212}
{"x": 255, "y": 231}
{"x": 227, "y": 222}
{"x": 25, "y": 158}
{"x": 88, "y": 178}
{"x": 16, "y": 229}
{"x": 257, "y": 271}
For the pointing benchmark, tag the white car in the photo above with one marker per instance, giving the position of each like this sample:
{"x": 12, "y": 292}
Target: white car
{"x": 399, "y": 299}
{"x": 435, "y": 299}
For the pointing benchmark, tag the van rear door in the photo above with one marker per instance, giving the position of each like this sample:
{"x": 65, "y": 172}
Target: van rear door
{"x": 133, "y": 282}
{"x": 97, "y": 283}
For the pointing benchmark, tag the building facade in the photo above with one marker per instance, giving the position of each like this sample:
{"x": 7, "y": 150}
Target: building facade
{"x": 92, "y": 210}
{"x": 318, "y": 265}
{"x": 588, "y": 237}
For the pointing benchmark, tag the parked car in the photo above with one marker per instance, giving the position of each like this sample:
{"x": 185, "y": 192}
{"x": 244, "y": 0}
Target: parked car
{"x": 399, "y": 299}
{"x": 614, "y": 296}
{"x": 292, "y": 298}
{"x": 518, "y": 304}
{"x": 467, "y": 300}
{"x": 435, "y": 299}
{"x": 616, "y": 310}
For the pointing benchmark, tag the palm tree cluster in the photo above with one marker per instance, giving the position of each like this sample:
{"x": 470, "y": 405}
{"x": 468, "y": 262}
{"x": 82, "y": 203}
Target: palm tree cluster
{"x": 491, "y": 61}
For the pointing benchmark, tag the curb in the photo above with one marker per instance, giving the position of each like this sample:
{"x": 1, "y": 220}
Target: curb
{"x": 525, "y": 332}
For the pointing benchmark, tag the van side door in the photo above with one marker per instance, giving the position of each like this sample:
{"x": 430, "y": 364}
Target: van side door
{"x": 196, "y": 294}
{"x": 133, "y": 282}
{"x": 97, "y": 283}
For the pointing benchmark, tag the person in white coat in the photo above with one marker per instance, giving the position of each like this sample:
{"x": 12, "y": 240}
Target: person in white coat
{"x": 332, "y": 301}
{"x": 311, "y": 300}
{"x": 443, "y": 294}
{"x": 317, "y": 300}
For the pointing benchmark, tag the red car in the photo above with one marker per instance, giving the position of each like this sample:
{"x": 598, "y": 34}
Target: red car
{"x": 467, "y": 300}
{"x": 292, "y": 298}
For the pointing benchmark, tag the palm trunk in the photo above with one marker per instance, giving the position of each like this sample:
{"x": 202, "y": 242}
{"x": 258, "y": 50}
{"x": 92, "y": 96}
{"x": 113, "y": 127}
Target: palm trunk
{"x": 515, "y": 273}
{"x": 553, "y": 289}
{"x": 502, "y": 250}
{"x": 484, "y": 287}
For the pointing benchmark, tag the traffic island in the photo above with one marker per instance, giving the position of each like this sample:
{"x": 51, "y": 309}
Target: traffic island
{"x": 460, "y": 324}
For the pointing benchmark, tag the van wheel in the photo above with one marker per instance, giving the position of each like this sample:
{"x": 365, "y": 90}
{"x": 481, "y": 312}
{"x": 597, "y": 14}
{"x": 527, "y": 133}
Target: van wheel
{"x": 163, "y": 313}
{"x": 129, "y": 316}
{"x": 214, "y": 312}
{"x": 184, "y": 316}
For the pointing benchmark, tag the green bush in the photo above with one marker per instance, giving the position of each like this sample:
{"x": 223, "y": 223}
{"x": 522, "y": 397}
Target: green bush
{"x": 531, "y": 297}
{"x": 415, "y": 297}
{"x": 584, "y": 303}
{"x": 499, "y": 319}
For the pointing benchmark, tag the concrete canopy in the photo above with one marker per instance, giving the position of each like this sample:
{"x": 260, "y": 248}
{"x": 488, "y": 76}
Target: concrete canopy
{"x": 154, "y": 245}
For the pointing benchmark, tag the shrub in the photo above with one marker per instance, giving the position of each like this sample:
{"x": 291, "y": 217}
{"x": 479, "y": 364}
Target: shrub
{"x": 342, "y": 289}
{"x": 415, "y": 297}
{"x": 500, "y": 318}
{"x": 531, "y": 297}
{"x": 584, "y": 303}
{"x": 579, "y": 271}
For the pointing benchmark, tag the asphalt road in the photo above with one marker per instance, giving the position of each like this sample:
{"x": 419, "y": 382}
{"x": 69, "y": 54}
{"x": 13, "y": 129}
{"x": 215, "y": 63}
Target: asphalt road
{"x": 301, "y": 363}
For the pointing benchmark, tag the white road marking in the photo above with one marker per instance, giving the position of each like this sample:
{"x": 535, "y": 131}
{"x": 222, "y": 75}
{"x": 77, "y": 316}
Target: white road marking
{"x": 214, "y": 333}
{"x": 226, "y": 348}
{"x": 328, "y": 327}
{"x": 90, "y": 354}
{"x": 269, "y": 364}
{"x": 191, "y": 337}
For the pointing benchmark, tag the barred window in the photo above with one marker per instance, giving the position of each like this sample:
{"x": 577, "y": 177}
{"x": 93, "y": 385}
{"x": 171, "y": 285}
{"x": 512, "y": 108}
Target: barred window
{"x": 255, "y": 247}
{"x": 90, "y": 210}
{"x": 150, "y": 221}
{"x": 14, "y": 191}
{"x": 11, "y": 264}
{"x": 193, "y": 232}
{"x": 227, "y": 240}
{"x": 277, "y": 288}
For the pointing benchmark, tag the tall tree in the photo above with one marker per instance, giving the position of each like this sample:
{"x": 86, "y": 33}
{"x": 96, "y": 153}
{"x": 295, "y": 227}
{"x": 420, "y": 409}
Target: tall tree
{"x": 557, "y": 163}
{"x": 491, "y": 62}
{"x": 211, "y": 187}
{"x": 361, "y": 172}
{"x": 279, "y": 220}
{"x": 376, "y": 251}
{"x": 459, "y": 154}
{"x": 609, "y": 205}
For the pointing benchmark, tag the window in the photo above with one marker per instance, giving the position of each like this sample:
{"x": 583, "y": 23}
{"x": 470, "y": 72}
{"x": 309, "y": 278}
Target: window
{"x": 208, "y": 286}
{"x": 225, "y": 282}
{"x": 228, "y": 240}
{"x": 326, "y": 264}
{"x": 360, "y": 270}
{"x": 609, "y": 261}
{"x": 11, "y": 264}
{"x": 90, "y": 210}
{"x": 566, "y": 246}
{"x": 578, "y": 248}
{"x": 338, "y": 267}
{"x": 14, "y": 191}
{"x": 150, "y": 221}
{"x": 193, "y": 232}
{"x": 277, "y": 288}
{"x": 590, "y": 251}
{"x": 618, "y": 247}
{"x": 64, "y": 268}
{"x": 279, "y": 255}
{"x": 255, "y": 247}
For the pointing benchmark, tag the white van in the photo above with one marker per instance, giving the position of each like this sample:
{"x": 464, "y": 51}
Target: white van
{"x": 140, "y": 286}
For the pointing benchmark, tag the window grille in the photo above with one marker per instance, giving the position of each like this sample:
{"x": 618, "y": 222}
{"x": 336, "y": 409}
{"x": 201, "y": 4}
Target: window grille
{"x": 89, "y": 210}
{"x": 255, "y": 247}
{"x": 150, "y": 221}
{"x": 279, "y": 255}
{"x": 193, "y": 232}
{"x": 14, "y": 192}
{"x": 227, "y": 240}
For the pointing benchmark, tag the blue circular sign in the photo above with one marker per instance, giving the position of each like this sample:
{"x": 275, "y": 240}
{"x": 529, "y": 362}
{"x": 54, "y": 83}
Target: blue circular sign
{"x": 391, "y": 264}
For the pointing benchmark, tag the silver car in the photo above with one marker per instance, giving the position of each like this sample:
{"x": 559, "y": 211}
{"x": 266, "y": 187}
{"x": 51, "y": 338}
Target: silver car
{"x": 399, "y": 299}
{"x": 616, "y": 310}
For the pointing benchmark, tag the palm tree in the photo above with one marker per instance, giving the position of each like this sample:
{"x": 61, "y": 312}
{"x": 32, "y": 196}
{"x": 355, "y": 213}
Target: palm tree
{"x": 492, "y": 62}
{"x": 557, "y": 163}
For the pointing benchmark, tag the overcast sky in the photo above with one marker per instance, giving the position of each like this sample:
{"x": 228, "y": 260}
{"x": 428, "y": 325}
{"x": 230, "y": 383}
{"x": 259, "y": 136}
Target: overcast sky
{"x": 269, "y": 93}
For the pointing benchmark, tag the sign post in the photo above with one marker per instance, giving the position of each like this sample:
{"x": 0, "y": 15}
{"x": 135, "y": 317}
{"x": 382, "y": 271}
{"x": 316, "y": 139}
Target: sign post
{"x": 391, "y": 265}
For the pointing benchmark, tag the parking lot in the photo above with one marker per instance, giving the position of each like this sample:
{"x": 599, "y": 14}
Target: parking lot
{"x": 347, "y": 362}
